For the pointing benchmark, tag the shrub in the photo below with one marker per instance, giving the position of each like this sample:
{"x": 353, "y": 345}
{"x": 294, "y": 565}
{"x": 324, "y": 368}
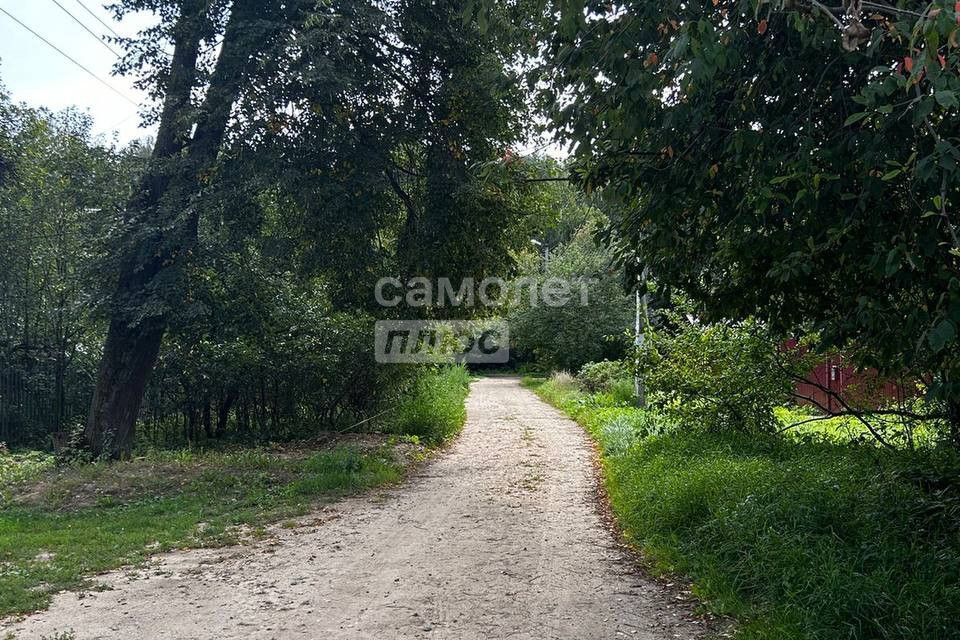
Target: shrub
{"x": 716, "y": 377}
{"x": 623, "y": 392}
{"x": 434, "y": 408}
{"x": 597, "y": 377}
{"x": 570, "y": 335}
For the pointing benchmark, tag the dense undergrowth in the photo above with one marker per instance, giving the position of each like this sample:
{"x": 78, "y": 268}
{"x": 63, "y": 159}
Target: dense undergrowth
{"x": 434, "y": 409}
{"x": 796, "y": 536}
{"x": 61, "y": 524}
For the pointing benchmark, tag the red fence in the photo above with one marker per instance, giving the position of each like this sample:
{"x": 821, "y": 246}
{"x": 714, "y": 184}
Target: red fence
{"x": 833, "y": 383}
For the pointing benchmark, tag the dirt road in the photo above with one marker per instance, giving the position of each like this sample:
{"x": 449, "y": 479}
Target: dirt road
{"x": 499, "y": 537}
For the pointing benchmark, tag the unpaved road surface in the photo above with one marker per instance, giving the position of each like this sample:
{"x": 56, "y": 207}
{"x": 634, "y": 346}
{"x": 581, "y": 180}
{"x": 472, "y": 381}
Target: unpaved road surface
{"x": 499, "y": 537}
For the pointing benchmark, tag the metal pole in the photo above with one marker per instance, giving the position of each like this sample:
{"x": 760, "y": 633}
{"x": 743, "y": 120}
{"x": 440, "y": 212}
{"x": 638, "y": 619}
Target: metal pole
{"x": 638, "y": 389}
{"x": 638, "y": 340}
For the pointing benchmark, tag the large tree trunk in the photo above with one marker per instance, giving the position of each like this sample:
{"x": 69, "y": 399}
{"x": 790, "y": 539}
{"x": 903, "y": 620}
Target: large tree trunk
{"x": 134, "y": 338}
{"x": 132, "y": 345}
{"x": 128, "y": 359}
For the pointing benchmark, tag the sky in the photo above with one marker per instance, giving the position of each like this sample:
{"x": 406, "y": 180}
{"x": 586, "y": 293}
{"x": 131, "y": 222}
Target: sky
{"x": 34, "y": 73}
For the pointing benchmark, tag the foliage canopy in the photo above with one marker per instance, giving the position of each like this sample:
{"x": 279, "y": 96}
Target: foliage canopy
{"x": 782, "y": 160}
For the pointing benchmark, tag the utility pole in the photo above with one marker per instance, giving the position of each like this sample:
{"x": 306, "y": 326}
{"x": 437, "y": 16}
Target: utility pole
{"x": 638, "y": 341}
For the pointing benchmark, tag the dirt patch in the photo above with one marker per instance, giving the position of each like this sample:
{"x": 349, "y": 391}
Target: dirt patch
{"x": 77, "y": 487}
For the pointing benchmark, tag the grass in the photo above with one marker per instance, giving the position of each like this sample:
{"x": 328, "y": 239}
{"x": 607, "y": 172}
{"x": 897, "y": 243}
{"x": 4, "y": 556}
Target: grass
{"x": 18, "y": 468}
{"x": 61, "y": 531}
{"x": 796, "y": 537}
{"x": 434, "y": 410}
{"x": 58, "y": 526}
{"x": 847, "y": 428}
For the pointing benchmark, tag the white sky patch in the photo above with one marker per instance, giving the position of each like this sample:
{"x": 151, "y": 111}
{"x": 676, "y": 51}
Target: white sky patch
{"x": 33, "y": 73}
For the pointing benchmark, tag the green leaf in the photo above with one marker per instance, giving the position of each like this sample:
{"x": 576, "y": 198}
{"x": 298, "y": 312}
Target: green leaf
{"x": 890, "y": 175}
{"x": 946, "y": 99}
{"x": 482, "y": 21}
{"x": 855, "y": 118}
{"x": 941, "y": 335}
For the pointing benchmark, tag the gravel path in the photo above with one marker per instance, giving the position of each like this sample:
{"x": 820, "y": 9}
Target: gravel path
{"x": 499, "y": 537}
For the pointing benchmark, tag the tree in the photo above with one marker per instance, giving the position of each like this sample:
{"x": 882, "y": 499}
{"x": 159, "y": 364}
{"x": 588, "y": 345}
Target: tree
{"x": 592, "y": 324}
{"x": 164, "y": 213}
{"x": 61, "y": 192}
{"x": 783, "y": 160}
{"x": 354, "y": 123}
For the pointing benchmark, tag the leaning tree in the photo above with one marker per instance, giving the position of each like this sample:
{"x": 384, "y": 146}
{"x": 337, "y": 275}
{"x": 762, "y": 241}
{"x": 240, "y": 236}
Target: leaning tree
{"x": 356, "y": 122}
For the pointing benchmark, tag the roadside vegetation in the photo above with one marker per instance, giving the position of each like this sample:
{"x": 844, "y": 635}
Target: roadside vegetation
{"x": 62, "y": 523}
{"x": 435, "y": 410}
{"x": 807, "y": 534}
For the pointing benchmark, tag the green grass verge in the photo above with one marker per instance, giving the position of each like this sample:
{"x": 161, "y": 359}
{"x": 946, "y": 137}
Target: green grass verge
{"x": 97, "y": 517}
{"x": 60, "y": 526}
{"x": 795, "y": 537}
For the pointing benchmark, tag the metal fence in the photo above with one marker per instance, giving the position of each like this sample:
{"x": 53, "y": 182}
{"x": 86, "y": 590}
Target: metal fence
{"x": 38, "y": 405}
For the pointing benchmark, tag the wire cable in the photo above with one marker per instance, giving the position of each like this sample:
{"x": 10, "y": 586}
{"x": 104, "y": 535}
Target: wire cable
{"x": 108, "y": 27}
{"x": 87, "y": 29}
{"x": 97, "y": 18}
{"x": 67, "y": 56}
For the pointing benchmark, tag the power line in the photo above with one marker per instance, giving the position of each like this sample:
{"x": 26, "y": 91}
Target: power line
{"x": 97, "y": 18}
{"x": 87, "y": 29}
{"x": 107, "y": 25}
{"x": 65, "y": 55}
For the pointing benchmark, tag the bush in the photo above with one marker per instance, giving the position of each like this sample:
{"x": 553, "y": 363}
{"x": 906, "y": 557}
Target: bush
{"x": 597, "y": 377}
{"x": 434, "y": 408}
{"x": 716, "y": 377}
{"x": 570, "y": 335}
{"x": 623, "y": 392}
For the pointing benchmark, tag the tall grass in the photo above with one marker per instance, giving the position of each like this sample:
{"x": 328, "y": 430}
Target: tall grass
{"x": 796, "y": 537}
{"x": 434, "y": 408}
